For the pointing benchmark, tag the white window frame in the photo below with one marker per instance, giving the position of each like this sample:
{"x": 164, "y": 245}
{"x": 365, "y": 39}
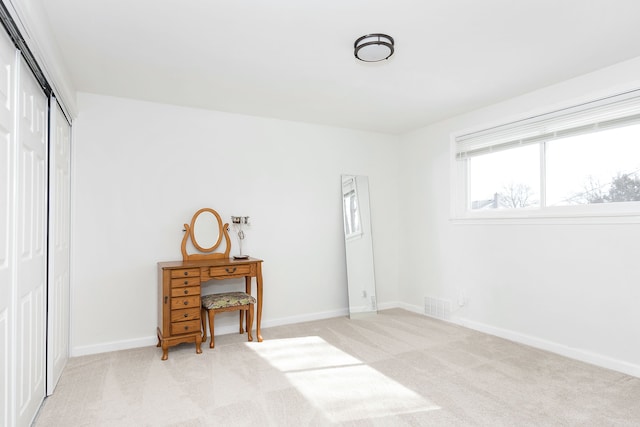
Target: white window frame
{"x": 596, "y": 213}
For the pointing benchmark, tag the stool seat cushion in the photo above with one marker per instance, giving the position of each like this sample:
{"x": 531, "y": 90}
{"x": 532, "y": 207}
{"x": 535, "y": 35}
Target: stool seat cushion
{"x": 226, "y": 299}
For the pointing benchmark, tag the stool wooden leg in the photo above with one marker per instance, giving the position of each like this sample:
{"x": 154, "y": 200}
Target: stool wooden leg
{"x": 212, "y": 314}
{"x": 250, "y": 321}
{"x": 241, "y": 326}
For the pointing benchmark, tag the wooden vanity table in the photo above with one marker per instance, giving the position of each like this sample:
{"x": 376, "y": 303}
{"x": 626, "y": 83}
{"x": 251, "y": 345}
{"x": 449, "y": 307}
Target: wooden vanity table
{"x": 180, "y": 284}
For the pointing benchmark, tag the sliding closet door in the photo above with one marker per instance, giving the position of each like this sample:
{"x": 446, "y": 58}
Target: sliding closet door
{"x": 7, "y": 218}
{"x": 31, "y": 263}
{"x": 59, "y": 221}
{"x": 24, "y": 193}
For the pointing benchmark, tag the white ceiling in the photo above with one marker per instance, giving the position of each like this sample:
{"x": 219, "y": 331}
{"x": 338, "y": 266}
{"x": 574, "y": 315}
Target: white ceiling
{"x": 293, "y": 59}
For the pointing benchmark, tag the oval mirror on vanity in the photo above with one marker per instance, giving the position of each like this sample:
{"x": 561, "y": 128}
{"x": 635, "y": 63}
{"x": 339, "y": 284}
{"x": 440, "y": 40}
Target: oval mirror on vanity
{"x": 205, "y": 235}
{"x": 358, "y": 245}
{"x": 205, "y": 231}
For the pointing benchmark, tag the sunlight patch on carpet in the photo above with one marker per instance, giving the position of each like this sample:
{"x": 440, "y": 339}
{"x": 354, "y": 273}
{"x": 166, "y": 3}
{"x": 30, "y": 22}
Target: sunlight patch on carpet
{"x": 342, "y": 386}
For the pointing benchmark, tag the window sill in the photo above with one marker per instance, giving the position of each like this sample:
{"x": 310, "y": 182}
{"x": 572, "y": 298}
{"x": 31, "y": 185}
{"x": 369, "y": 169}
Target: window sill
{"x": 551, "y": 218}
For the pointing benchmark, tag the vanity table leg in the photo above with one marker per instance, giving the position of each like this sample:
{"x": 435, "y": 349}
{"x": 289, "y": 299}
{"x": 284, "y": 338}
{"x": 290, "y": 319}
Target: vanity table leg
{"x": 165, "y": 350}
{"x": 247, "y": 289}
{"x": 259, "y": 310}
{"x": 198, "y": 344}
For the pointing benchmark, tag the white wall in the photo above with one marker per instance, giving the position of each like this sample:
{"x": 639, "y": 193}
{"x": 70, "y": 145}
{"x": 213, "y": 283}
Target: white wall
{"x": 142, "y": 169}
{"x": 140, "y": 172}
{"x": 572, "y": 289}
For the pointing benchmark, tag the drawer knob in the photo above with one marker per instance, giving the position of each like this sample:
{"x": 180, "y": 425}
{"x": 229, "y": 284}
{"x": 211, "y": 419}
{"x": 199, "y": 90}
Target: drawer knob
{"x": 186, "y": 328}
{"x": 233, "y": 270}
{"x": 186, "y": 273}
{"x": 186, "y": 315}
{"x": 186, "y": 291}
{"x": 186, "y": 282}
{"x": 186, "y": 302}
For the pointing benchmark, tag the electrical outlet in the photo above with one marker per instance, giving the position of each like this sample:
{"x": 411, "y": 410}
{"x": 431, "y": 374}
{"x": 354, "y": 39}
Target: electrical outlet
{"x": 462, "y": 298}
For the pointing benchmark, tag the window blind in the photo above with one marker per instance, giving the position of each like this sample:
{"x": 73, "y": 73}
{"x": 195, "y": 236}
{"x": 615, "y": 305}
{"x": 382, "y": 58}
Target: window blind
{"x": 606, "y": 113}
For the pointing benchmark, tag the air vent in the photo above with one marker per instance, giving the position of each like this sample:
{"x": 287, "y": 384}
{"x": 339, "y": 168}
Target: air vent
{"x": 437, "y": 307}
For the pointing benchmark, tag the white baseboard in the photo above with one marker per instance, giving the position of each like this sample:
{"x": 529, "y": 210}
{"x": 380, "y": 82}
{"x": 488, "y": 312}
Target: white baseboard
{"x": 106, "y": 347}
{"x": 573, "y": 353}
{"x": 392, "y": 304}
{"x": 86, "y": 350}
{"x": 304, "y": 318}
{"x": 409, "y": 307}
{"x": 570, "y": 352}
{"x": 563, "y": 350}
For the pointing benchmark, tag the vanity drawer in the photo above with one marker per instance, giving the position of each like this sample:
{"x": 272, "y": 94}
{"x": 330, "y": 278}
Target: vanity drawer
{"x": 185, "y": 327}
{"x": 185, "y": 302}
{"x": 184, "y": 315}
{"x": 185, "y": 272}
{"x": 230, "y": 271}
{"x": 185, "y": 291}
{"x": 185, "y": 281}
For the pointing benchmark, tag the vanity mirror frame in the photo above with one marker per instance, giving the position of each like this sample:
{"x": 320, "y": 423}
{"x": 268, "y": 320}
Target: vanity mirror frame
{"x": 206, "y": 253}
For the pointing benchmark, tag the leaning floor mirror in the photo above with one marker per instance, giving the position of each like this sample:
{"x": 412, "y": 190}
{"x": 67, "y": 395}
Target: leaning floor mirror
{"x": 358, "y": 245}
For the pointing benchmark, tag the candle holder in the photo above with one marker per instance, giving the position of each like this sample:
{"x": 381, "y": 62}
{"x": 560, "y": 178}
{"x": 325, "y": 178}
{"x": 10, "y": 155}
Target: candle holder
{"x": 238, "y": 223}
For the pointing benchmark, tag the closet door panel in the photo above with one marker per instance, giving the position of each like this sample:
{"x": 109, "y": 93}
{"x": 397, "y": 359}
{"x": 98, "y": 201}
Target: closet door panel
{"x": 7, "y": 181}
{"x": 32, "y": 261}
{"x": 59, "y": 247}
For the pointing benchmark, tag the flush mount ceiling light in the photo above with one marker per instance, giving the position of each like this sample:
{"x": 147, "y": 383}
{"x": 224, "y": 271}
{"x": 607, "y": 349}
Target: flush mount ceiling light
{"x": 373, "y": 47}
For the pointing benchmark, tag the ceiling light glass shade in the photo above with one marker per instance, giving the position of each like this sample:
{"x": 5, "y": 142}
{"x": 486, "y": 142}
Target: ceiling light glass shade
{"x": 373, "y": 47}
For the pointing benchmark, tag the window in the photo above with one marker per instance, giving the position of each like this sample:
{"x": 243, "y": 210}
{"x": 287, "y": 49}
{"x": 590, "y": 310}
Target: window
{"x": 583, "y": 160}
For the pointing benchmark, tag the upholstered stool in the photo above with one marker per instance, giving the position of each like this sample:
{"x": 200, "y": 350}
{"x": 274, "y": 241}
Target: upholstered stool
{"x": 227, "y": 301}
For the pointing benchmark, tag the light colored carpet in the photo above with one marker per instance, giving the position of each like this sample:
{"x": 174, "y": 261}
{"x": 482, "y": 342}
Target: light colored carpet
{"x": 394, "y": 369}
